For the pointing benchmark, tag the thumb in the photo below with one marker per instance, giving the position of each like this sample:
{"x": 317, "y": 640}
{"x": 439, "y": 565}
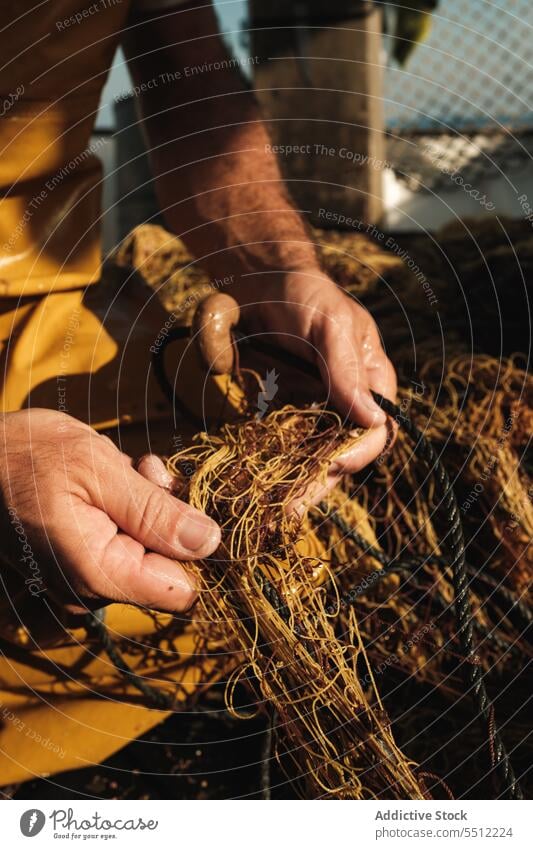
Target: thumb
{"x": 151, "y": 516}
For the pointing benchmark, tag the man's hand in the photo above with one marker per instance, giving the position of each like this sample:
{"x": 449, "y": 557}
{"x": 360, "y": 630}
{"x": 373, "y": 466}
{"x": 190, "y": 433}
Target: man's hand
{"x": 306, "y": 313}
{"x": 87, "y": 527}
{"x": 221, "y": 190}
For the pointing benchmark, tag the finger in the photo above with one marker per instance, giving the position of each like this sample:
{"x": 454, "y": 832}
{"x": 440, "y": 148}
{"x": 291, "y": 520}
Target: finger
{"x": 314, "y": 493}
{"x": 382, "y": 379}
{"x": 341, "y": 363}
{"x": 363, "y": 452}
{"x": 130, "y": 574}
{"x": 152, "y": 467}
{"x": 100, "y": 564}
{"x": 108, "y": 441}
{"x": 381, "y": 375}
{"x": 152, "y": 516}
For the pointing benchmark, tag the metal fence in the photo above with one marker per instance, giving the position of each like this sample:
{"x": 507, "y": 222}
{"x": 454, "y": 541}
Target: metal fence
{"x": 464, "y": 99}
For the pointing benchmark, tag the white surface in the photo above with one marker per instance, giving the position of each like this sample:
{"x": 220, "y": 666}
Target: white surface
{"x": 285, "y": 824}
{"x": 409, "y": 211}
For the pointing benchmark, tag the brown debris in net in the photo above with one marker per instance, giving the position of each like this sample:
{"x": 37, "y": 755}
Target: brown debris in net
{"x": 244, "y": 477}
{"x": 477, "y": 415}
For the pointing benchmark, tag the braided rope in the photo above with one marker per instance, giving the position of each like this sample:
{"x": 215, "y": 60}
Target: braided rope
{"x": 94, "y": 624}
{"x": 472, "y": 671}
{"x": 516, "y": 605}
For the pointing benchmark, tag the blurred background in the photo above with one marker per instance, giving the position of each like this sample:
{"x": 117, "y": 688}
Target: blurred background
{"x": 426, "y": 106}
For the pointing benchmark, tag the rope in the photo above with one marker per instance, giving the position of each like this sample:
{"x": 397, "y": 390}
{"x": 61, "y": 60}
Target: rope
{"x": 266, "y": 759}
{"x": 95, "y": 625}
{"x": 396, "y": 565}
{"x": 472, "y": 671}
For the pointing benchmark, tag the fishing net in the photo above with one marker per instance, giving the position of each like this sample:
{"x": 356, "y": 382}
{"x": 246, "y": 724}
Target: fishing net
{"x": 339, "y": 622}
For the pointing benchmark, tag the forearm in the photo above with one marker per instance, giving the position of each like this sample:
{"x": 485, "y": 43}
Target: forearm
{"x": 218, "y": 183}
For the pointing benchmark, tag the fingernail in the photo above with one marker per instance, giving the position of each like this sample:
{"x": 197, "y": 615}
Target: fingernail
{"x": 190, "y": 591}
{"x": 198, "y": 531}
{"x": 369, "y": 404}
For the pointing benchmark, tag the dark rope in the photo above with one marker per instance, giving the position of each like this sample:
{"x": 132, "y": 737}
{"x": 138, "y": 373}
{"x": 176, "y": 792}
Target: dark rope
{"x": 267, "y": 753}
{"x": 472, "y": 670}
{"x": 391, "y": 565}
{"x": 95, "y": 625}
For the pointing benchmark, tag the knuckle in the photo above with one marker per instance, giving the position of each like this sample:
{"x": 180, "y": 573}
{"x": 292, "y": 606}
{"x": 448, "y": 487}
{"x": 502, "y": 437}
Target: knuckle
{"x": 341, "y": 321}
{"x": 150, "y": 511}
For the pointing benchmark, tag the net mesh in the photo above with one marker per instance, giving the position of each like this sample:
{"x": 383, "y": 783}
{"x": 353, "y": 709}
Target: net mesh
{"x": 463, "y": 100}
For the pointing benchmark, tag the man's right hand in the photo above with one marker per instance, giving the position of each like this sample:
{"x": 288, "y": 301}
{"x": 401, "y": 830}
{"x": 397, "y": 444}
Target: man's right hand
{"x": 80, "y": 521}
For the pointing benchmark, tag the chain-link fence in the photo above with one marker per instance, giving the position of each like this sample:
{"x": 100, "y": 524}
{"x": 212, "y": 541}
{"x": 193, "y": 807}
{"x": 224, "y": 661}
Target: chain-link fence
{"x": 463, "y": 102}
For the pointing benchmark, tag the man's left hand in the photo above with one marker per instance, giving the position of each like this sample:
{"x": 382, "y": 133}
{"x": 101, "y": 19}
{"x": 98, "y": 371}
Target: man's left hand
{"x": 309, "y": 315}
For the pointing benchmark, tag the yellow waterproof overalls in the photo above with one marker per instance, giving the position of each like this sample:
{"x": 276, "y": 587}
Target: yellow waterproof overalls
{"x": 72, "y": 342}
